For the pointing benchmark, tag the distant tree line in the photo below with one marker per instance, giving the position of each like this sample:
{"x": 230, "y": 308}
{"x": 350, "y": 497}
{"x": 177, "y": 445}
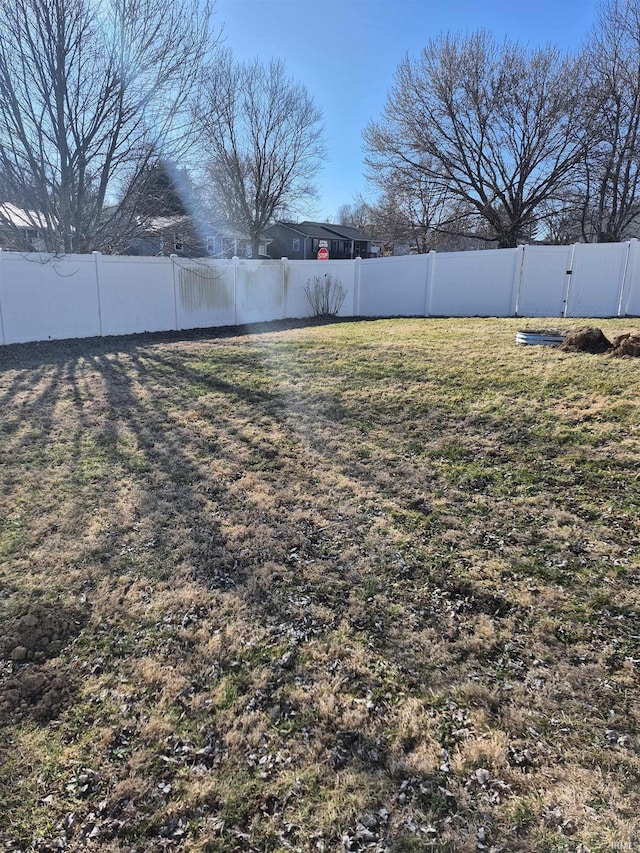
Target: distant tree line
{"x": 495, "y": 142}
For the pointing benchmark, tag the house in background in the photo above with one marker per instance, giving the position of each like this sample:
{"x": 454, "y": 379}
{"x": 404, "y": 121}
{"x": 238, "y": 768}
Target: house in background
{"x": 303, "y": 240}
{"x": 188, "y": 237}
{"x": 22, "y": 230}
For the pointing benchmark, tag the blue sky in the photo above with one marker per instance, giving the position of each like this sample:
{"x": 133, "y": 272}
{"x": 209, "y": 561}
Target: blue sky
{"x": 346, "y": 51}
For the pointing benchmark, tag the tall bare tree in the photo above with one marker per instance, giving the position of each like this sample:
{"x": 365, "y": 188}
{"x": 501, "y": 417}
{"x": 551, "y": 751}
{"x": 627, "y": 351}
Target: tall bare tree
{"x": 264, "y": 143}
{"x": 496, "y": 124}
{"x": 93, "y": 93}
{"x": 609, "y": 204}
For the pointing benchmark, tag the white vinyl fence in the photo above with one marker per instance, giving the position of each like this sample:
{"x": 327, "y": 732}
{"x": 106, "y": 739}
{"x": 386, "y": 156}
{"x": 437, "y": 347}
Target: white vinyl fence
{"x": 50, "y": 298}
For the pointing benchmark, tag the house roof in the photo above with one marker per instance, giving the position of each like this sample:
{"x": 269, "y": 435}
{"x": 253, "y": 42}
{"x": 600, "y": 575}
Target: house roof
{"x": 204, "y": 228}
{"x": 327, "y": 231}
{"x": 349, "y": 232}
{"x": 20, "y": 217}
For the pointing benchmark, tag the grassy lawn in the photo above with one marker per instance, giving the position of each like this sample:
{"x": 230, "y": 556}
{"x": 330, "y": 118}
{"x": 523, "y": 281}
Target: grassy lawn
{"x": 362, "y": 586}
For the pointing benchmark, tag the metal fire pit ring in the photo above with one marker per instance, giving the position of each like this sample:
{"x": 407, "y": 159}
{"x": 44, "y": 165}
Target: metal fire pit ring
{"x": 540, "y": 337}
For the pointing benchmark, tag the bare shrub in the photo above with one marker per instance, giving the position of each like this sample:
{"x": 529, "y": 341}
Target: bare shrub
{"x": 326, "y": 295}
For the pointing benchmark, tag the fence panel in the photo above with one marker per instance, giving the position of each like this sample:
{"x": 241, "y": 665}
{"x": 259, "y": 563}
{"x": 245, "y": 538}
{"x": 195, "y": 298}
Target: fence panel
{"x": 205, "y": 293}
{"x": 632, "y": 307}
{"x": 136, "y": 294}
{"x": 259, "y": 291}
{"x": 474, "y": 284}
{"x": 543, "y": 286}
{"x": 300, "y": 274}
{"x": 393, "y": 286}
{"x": 596, "y": 280}
{"x": 48, "y": 298}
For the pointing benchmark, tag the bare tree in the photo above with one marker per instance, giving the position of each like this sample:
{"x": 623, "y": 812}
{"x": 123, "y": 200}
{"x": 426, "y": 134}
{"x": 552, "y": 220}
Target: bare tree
{"x": 413, "y": 208}
{"x": 92, "y": 93}
{"x": 496, "y": 125}
{"x": 358, "y": 214}
{"x": 264, "y": 143}
{"x": 559, "y": 221}
{"x": 610, "y": 187}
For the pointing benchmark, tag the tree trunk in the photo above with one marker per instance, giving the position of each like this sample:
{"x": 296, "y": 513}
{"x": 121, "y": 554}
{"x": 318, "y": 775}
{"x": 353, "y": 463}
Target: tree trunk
{"x": 507, "y": 241}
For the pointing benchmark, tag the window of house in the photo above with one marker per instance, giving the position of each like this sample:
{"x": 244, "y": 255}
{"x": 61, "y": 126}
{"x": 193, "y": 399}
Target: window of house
{"x": 346, "y": 247}
{"x": 34, "y": 239}
{"x": 315, "y": 245}
{"x": 211, "y": 245}
{"x": 178, "y": 242}
{"x": 356, "y": 251}
{"x": 334, "y": 247}
{"x": 296, "y": 244}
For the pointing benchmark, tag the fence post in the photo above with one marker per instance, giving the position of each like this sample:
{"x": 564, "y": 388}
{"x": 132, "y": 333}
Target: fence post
{"x": 3, "y": 341}
{"x": 357, "y": 273}
{"x": 285, "y": 287}
{"x": 627, "y": 277}
{"x": 236, "y": 261}
{"x": 172, "y": 258}
{"x": 517, "y": 281}
{"x": 97, "y": 256}
{"x": 428, "y": 282}
{"x": 567, "y": 292}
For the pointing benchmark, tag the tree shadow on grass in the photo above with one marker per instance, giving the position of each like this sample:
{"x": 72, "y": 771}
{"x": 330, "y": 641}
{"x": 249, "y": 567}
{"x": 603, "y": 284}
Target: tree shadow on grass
{"x": 243, "y": 607}
{"x": 288, "y": 571}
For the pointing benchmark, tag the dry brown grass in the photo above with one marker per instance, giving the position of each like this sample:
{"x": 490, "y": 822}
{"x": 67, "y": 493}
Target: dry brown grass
{"x": 363, "y": 586}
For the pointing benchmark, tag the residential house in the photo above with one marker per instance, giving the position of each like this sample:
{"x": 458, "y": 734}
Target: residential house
{"x": 303, "y": 240}
{"x": 22, "y": 230}
{"x": 190, "y": 237}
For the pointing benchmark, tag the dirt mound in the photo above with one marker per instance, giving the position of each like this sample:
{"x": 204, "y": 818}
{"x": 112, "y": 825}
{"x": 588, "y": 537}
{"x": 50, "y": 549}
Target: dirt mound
{"x": 31, "y": 683}
{"x": 627, "y": 344}
{"x": 39, "y": 633}
{"x": 587, "y": 339}
{"x": 36, "y": 692}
